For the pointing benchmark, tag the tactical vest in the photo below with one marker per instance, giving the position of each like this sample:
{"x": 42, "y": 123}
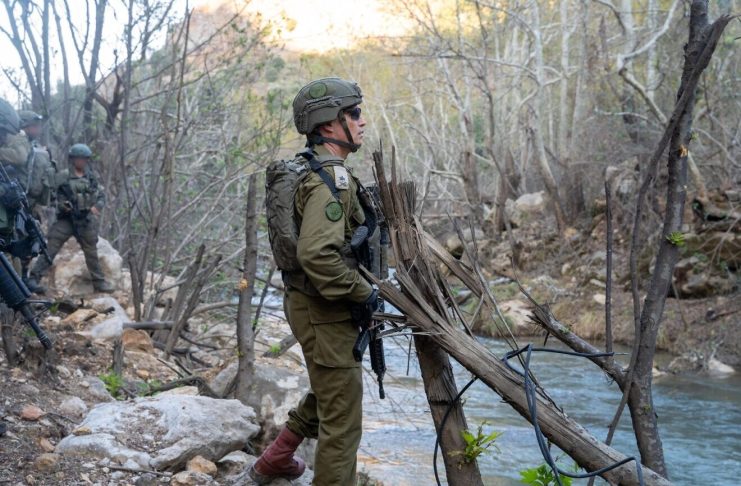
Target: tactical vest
{"x": 82, "y": 192}
{"x": 282, "y": 181}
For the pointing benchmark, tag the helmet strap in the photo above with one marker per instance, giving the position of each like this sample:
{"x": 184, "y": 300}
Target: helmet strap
{"x": 350, "y": 142}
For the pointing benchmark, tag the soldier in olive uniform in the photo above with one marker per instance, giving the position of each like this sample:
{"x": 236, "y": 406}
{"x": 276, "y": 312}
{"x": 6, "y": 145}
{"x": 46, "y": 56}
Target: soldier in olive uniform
{"x": 319, "y": 296}
{"x": 10, "y": 194}
{"x": 80, "y": 199}
{"x": 34, "y": 168}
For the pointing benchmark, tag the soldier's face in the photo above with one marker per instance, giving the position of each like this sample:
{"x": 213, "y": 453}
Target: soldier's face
{"x": 355, "y": 123}
{"x": 33, "y": 131}
{"x": 79, "y": 163}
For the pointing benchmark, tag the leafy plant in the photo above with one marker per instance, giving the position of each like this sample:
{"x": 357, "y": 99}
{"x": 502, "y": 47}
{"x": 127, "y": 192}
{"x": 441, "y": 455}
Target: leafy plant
{"x": 676, "y": 238}
{"x": 478, "y": 443}
{"x": 113, "y": 382}
{"x": 275, "y": 348}
{"x": 543, "y": 476}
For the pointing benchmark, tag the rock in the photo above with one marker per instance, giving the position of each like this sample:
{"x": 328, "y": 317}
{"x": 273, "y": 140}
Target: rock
{"x": 697, "y": 277}
{"x": 82, "y": 431}
{"x": 73, "y": 406}
{"x": 182, "y": 390}
{"x": 526, "y": 209}
{"x": 146, "y": 479}
{"x": 200, "y": 464}
{"x": 108, "y": 330}
{"x": 107, "y": 305}
{"x": 46, "y": 445}
{"x": 599, "y": 298}
{"x": 78, "y": 317}
{"x": 70, "y": 272}
{"x": 597, "y": 283}
{"x": 719, "y": 369}
{"x": 31, "y": 413}
{"x": 233, "y": 463}
{"x": 275, "y": 390}
{"x": 188, "y": 478}
{"x": 96, "y": 388}
{"x": 137, "y": 339}
{"x": 64, "y": 372}
{"x": 45, "y": 463}
{"x": 163, "y": 432}
{"x": 28, "y": 389}
{"x": 143, "y": 374}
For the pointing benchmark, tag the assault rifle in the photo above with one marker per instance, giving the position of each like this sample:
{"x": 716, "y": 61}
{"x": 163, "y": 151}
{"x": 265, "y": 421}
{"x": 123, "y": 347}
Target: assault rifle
{"x": 13, "y": 291}
{"x": 362, "y": 314}
{"x": 70, "y": 205}
{"x": 31, "y": 242}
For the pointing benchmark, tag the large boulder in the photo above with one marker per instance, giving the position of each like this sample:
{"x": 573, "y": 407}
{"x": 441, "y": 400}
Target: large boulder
{"x": 528, "y": 208}
{"x": 696, "y": 277}
{"x": 275, "y": 390}
{"x": 162, "y": 432}
{"x": 70, "y": 273}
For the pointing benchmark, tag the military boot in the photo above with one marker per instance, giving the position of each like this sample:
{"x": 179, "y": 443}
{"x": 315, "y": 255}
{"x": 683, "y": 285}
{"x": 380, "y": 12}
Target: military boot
{"x": 34, "y": 286}
{"x": 278, "y": 460}
{"x": 103, "y": 286}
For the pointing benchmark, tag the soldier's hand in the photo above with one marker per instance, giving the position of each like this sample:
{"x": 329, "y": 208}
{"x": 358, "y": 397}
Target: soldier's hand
{"x": 95, "y": 211}
{"x": 371, "y": 302}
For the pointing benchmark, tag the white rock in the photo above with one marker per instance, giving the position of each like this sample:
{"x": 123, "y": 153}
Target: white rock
{"x": 718, "y": 368}
{"x": 599, "y": 298}
{"x": 96, "y": 388}
{"x": 70, "y": 272}
{"x": 182, "y": 390}
{"x": 528, "y": 208}
{"x": 181, "y": 426}
{"x": 108, "y": 330}
{"x": 73, "y": 406}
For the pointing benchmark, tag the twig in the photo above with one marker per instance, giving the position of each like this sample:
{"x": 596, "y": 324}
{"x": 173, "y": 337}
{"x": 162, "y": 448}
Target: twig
{"x": 138, "y": 471}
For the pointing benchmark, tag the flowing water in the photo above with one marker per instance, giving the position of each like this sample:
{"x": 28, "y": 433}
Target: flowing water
{"x": 699, "y": 418}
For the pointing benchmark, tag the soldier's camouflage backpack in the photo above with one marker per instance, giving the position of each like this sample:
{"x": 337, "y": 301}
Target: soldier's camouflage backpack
{"x": 282, "y": 180}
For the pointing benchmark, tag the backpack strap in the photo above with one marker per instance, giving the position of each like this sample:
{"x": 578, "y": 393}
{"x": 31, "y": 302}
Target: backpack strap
{"x": 317, "y": 167}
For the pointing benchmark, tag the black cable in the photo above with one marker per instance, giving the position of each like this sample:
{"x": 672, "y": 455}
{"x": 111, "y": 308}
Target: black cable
{"x": 530, "y": 395}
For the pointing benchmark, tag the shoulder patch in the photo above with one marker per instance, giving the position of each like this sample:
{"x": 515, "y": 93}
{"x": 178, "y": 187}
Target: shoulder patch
{"x": 341, "y": 178}
{"x": 333, "y": 211}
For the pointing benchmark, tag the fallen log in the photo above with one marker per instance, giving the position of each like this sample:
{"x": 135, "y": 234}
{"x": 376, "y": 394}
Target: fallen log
{"x": 411, "y": 244}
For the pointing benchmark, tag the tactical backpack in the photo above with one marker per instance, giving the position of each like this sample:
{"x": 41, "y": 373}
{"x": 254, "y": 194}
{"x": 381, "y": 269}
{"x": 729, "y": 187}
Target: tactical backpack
{"x": 282, "y": 180}
{"x": 40, "y": 172}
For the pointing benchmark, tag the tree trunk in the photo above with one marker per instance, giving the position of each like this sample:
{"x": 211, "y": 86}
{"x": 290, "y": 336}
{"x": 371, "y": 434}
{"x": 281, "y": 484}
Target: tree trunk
{"x": 245, "y": 332}
{"x": 698, "y": 51}
{"x": 441, "y": 390}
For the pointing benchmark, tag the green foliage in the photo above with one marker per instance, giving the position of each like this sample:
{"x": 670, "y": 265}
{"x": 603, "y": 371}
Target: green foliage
{"x": 542, "y": 476}
{"x": 676, "y": 238}
{"x": 478, "y": 443}
{"x": 113, "y": 383}
{"x": 275, "y": 348}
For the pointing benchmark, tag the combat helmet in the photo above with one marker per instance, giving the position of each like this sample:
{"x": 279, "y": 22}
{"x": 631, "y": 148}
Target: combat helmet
{"x": 9, "y": 121}
{"x": 322, "y": 101}
{"x": 81, "y": 151}
{"x": 29, "y": 118}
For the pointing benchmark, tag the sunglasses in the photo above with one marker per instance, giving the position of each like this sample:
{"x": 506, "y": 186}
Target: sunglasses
{"x": 354, "y": 113}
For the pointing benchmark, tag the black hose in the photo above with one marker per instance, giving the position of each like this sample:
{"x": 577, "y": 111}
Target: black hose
{"x": 530, "y": 395}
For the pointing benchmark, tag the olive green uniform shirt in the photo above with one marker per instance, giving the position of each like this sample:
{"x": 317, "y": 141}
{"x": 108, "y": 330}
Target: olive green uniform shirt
{"x": 324, "y": 244}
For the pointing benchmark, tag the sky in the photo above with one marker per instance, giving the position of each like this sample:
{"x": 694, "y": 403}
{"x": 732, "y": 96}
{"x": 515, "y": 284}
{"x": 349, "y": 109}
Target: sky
{"x": 305, "y": 26}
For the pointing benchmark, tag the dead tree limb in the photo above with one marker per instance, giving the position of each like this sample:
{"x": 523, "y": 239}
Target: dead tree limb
{"x": 428, "y": 317}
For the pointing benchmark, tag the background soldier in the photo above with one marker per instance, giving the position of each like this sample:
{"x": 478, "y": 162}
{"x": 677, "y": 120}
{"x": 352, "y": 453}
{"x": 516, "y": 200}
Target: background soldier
{"x": 10, "y": 199}
{"x": 79, "y": 202}
{"x": 37, "y": 174}
{"x": 319, "y": 296}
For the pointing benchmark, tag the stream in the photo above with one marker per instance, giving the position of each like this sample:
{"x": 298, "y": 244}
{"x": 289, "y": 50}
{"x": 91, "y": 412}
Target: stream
{"x": 699, "y": 420}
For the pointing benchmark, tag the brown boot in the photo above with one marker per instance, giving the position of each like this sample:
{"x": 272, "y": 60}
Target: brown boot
{"x": 278, "y": 460}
